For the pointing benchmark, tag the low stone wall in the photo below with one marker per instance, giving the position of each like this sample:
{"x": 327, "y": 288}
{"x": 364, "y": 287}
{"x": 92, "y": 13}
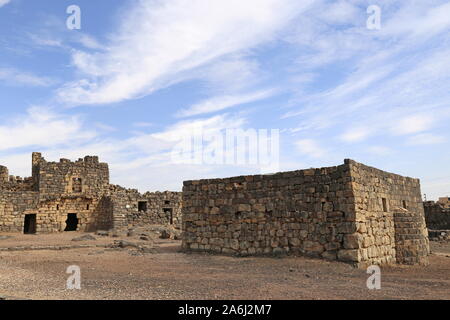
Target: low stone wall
{"x": 160, "y": 208}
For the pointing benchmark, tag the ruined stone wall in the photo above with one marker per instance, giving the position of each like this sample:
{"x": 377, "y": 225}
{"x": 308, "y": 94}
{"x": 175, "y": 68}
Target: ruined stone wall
{"x": 59, "y": 178}
{"x": 437, "y": 216}
{"x": 14, "y": 183}
{"x": 14, "y": 206}
{"x": 307, "y": 211}
{"x": 352, "y": 213}
{"x": 52, "y": 214}
{"x": 160, "y": 208}
{"x": 390, "y": 219}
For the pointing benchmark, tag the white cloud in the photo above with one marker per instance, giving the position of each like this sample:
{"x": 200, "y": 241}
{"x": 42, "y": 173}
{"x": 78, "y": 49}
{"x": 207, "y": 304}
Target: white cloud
{"x": 158, "y": 41}
{"x": 355, "y": 134}
{"x": 88, "y": 41}
{"x": 42, "y": 127}
{"x": 224, "y": 102}
{"x": 310, "y": 148}
{"x": 425, "y": 139}
{"x": 379, "y": 150}
{"x": 4, "y": 2}
{"x": 15, "y": 77}
{"x": 413, "y": 124}
{"x": 45, "y": 40}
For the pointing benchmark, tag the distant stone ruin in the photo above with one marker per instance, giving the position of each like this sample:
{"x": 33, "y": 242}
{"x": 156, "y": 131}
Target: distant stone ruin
{"x": 77, "y": 196}
{"x": 351, "y": 213}
{"x": 437, "y": 214}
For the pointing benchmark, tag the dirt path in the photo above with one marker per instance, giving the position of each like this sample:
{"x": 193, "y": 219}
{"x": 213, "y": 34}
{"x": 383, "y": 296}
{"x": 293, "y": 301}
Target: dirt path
{"x": 169, "y": 274}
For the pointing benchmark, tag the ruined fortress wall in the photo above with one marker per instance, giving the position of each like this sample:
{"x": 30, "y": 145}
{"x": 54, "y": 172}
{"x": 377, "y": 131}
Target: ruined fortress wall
{"x": 157, "y": 208}
{"x": 437, "y": 217}
{"x": 61, "y": 189}
{"x": 14, "y": 206}
{"x": 51, "y": 214}
{"x": 308, "y": 211}
{"x": 393, "y": 231}
{"x": 58, "y": 178}
{"x": 14, "y": 183}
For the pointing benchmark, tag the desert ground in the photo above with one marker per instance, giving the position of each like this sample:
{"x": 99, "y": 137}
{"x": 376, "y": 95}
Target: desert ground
{"x": 34, "y": 267}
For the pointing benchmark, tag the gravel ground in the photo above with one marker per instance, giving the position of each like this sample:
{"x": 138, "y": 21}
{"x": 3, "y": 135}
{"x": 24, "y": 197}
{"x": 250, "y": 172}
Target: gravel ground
{"x": 109, "y": 273}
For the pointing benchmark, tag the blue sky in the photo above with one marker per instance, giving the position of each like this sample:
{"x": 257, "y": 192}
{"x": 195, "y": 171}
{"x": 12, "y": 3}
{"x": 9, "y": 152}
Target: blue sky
{"x": 140, "y": 75}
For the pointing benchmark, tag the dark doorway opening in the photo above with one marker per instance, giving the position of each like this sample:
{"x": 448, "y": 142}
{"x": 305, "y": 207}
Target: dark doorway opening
{"x": 142, "y": 206}
{"x": 29, "y": 226}
{"x": 71, "y": 222}
{"x": 169, "y": 214}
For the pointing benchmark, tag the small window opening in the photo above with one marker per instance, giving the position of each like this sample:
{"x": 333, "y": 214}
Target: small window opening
{"x": 77, "y": 185}
{"x": 87, "y": 207}
{"x": 404, "y": 204}
{"x": 167, "y": 202}
{"x": 57, "y": 207}
{"x": 142, "y": 206}
{"x": 385, "y": 208}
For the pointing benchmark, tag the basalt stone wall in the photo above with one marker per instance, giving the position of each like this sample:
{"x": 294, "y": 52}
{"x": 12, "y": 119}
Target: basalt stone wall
{"x": 51, "y": 214}
{"x": 79, "y": 190}
{"x": 390, "y": 218}
{"x": 14, "y": 206}
{"x": 307, "y": 211}
{"x": 59, "y": 178}
{"x": 437, "y": 216}
{"x": 352, "y": 213}
{"x": 132, "y": 209}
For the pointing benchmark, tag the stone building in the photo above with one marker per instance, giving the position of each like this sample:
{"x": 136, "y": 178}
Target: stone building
{"x": 351, "y": 213}
{"x": 437, "y": 214}
{"x": 69, "y": 196}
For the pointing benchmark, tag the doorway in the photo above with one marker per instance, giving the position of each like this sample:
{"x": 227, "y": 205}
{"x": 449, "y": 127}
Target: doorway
{"x": 71, "y": 222}
{"x": 29, "y": 226}
{"x": 169, "y": 214}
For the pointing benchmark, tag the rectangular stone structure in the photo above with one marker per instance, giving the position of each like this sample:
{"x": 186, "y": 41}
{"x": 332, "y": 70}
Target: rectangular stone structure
{"x": 352, "y": 213}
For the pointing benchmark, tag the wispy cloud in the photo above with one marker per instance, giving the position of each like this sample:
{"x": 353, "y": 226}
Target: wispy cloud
{"x": 10, "y": 76}
{"x": 158, "y": 41}
{"x": 311, "y": 148}
{"x": 224, "y": 102}
{"x": 4, "y": 2}
{"x": 426, "y": 139}
{"x": 41, "y": 126}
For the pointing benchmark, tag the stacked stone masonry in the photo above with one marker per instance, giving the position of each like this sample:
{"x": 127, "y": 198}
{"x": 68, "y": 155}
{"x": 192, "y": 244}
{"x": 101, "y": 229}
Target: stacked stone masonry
{"x": 81, "y": 189}
{"x": 351, "y": 213}
{"x": 437, "y": 215}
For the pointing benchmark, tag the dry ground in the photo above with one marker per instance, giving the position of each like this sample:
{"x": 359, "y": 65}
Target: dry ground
{"x": 169, "y": 274}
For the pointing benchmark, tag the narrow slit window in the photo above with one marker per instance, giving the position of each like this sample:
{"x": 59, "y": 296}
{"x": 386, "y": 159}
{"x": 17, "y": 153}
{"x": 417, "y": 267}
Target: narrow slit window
{"x": 385, "y": 206}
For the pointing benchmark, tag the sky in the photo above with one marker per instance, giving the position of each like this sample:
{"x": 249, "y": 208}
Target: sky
{"x": 138, "y": 80}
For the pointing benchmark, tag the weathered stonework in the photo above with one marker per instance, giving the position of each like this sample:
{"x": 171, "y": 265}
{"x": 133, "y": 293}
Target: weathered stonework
{"x": 352, "y": 213}
{"x": 437, "y": 215}
{"x": 82, "y": 190}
